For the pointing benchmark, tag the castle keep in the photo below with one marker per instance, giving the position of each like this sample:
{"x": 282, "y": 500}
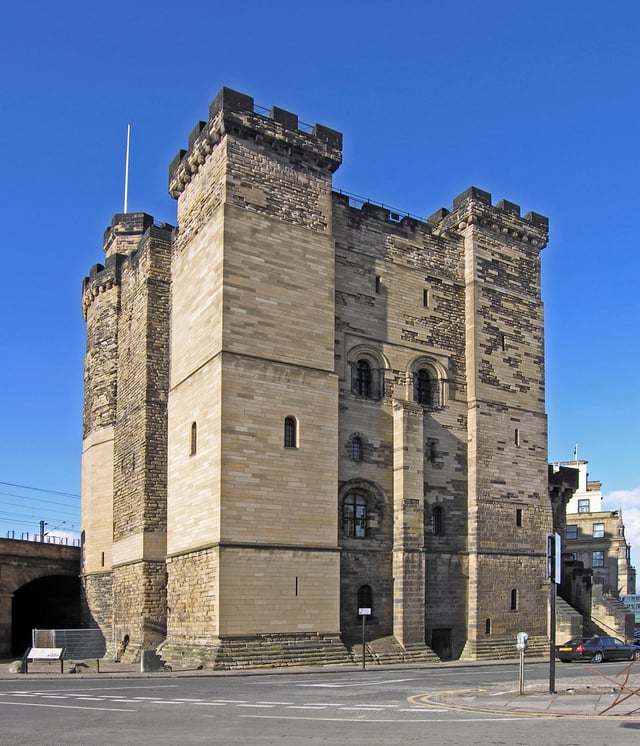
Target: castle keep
{"x": 297, "y": 407}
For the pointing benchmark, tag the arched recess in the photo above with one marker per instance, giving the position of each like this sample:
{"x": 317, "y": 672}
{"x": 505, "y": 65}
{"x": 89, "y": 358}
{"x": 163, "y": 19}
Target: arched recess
{"x": 427, "y": 382}
{"x": 361, "y": 358}
{"x": 52, "y": 602}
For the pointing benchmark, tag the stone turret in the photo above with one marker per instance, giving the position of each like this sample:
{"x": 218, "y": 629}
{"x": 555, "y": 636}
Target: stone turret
{"x": 126, "y": 306}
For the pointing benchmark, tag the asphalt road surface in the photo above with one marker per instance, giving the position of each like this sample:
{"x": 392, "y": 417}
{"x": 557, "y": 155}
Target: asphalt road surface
{"x": 380, "y": 706}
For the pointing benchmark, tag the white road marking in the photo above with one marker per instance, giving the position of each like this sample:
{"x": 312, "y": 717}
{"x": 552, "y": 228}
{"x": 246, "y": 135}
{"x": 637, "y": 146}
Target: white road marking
{"x": 66, "y": 707}
{"x": 269, "y": 707}
{"x": 358, "y": 684}
{"x": 404, "y": 721}
{"x": 209, "y": 704}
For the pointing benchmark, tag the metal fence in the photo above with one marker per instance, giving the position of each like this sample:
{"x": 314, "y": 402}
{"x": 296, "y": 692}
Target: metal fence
{"x": 77, "y": 643}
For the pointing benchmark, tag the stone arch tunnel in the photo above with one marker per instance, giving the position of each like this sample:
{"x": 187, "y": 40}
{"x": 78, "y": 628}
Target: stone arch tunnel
{"x": 39, "y": 589}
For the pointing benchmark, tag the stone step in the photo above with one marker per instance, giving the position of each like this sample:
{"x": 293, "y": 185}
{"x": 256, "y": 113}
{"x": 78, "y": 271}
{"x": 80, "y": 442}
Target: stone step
{"x": 387, "y": 650}
{"x": 258, "y": 653}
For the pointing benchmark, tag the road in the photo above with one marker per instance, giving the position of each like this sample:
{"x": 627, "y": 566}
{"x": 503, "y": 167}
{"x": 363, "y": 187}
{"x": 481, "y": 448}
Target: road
{"x": 350, "y": 707}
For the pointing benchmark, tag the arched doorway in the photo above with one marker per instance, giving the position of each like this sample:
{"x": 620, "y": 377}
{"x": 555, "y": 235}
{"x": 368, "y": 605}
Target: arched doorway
{"x": 52, "y": 602}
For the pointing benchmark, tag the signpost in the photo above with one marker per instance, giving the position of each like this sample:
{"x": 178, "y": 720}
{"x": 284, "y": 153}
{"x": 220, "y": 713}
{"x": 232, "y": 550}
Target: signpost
{"x": 554, "y": 556}
{"x": 364, "y": 613}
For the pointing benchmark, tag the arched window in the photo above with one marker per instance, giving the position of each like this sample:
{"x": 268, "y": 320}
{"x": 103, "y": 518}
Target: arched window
{"x": 425, "y": 388}
{"x": 354, "y": 515}
{"x": 356, "y": 448}
{"x": 362, "y": 382}
{"x": 194, "y": 439}
{"x": 290, "y": 432}
{"x": 437, "y": 520}
{"x": 365, "y": 597}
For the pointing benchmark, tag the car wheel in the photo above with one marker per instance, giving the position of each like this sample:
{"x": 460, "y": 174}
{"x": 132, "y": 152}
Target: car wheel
{"x": 636, "y": 656}
{"x": 597, "y": 657}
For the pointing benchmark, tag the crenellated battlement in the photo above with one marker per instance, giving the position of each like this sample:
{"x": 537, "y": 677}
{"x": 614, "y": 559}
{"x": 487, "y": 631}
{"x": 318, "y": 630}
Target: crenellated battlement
{"x": 121, "y": 240}
{"x": 101, "y": 279}
{"x": 474, "y": 207}
{"x": 235, "y": 113}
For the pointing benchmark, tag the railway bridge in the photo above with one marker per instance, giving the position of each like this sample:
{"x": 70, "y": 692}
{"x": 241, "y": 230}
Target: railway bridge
{"x": 39, "y": 588}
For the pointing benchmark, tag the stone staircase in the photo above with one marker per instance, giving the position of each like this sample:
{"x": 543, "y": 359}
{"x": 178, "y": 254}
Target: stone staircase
{"x": 505, "y": 648}
{"x": 265, "y": 651}
{"x": 387, "y": 650}
{"x": 609, "y": 617}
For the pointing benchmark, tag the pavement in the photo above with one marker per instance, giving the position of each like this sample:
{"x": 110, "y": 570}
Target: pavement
{"x": 605, "y": 693}
{"x": 591, "y": 697}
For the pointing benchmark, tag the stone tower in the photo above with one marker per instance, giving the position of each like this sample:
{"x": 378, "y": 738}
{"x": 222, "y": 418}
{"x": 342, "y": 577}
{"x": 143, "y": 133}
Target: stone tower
{"x": 253, "y": 405}
{"x": 299, "y": 405}
{"x": 126, "y": 304}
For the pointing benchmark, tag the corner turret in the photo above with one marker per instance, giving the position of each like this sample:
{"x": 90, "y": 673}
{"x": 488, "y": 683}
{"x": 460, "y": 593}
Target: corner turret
{"x": 234, "y": 113}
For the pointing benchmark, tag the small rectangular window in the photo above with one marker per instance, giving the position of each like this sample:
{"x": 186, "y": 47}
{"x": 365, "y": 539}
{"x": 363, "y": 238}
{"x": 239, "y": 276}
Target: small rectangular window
{"x": 571, "y": 534}
{"x": 583, "y": 505}
{"x": 598, "y": 531}
{"x": 597, "y": 559}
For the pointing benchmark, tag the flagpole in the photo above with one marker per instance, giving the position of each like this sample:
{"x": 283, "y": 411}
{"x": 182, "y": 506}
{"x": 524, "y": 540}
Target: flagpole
{"x": 126, "y": 170}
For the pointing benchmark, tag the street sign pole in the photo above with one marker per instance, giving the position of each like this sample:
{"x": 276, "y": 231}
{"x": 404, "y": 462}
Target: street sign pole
{"x": 554, "y": 550}
{"x": 364, "y": 613}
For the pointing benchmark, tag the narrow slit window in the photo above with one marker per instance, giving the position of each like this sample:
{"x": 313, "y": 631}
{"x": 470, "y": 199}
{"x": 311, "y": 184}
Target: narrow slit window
{"x": 487, "y": 626}
{"x": 356, "y": 449}
{"x": 193, "y": 447}
{"x": 518, "y": 516}
{"x": 290, "y": 432}
{"x": 514, "y": 599}
{"x": 437, "y": 520}
{"x": 426, "y": 299}
{"x": 516, "y": 437}
{"x": 378, "y": 283}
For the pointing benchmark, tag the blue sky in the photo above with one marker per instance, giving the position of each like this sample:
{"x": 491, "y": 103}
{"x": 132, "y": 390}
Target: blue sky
{"x": 536, "y": 102}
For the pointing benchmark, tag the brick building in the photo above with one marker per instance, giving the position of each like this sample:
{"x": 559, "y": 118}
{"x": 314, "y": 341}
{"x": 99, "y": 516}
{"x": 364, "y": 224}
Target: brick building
{"x": 298, "y": 405}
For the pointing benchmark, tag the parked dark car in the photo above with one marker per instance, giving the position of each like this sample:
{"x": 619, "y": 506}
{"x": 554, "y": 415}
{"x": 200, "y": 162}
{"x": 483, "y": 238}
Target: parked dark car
{"x": 597, "y": 649}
